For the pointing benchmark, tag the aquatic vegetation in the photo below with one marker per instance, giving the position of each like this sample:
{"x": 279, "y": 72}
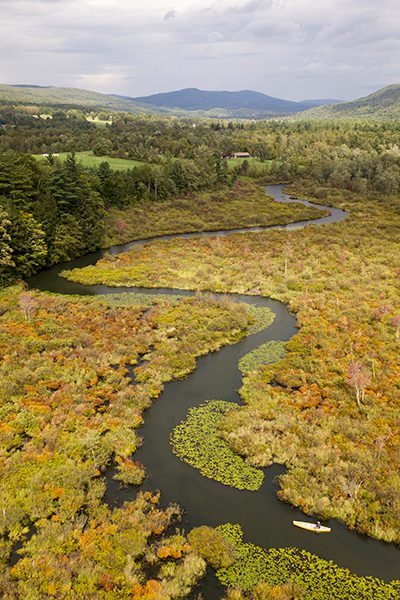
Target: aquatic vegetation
{"x": 263, "y": 318}
{"x": 267, "y": 353}
{"x": 196, "y": 441}
{"x": 320, "y": 579}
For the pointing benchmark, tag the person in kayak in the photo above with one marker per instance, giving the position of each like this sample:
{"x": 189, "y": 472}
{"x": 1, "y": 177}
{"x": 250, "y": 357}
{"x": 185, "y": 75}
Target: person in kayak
{"x": 318, "y": 525}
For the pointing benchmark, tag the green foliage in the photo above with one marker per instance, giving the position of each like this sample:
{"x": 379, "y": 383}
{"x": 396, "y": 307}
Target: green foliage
{"x": 28, "y": 243}
{"x": 383, "y": 104}
{"x": 321, "y": 579}
{"x": 6, "y": 250}
{"x": 54, "y": 211}
{"x": 196, "y": 441}
{"x": 263, "y": 355}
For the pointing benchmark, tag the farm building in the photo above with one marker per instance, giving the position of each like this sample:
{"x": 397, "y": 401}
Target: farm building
{"x": 239, "y": 155}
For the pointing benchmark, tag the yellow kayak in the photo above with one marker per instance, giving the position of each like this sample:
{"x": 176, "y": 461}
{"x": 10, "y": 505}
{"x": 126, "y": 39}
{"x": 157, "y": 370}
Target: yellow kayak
{"x": 312, "y": 527}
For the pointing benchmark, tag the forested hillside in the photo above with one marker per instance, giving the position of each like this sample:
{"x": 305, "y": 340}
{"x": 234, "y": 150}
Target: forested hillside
{"x": 66, "y": 97}
{"x": 244, "y": 103}
{"x": 383, "y": 104}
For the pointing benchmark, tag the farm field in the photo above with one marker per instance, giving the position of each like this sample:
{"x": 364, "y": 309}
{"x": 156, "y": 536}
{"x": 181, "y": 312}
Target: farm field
{"x": 88, "y": 159}
{"x": 99, "y": 122}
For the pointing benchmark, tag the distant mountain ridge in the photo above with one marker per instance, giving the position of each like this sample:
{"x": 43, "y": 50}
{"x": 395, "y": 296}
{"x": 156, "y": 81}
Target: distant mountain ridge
{"x": 382, "y": 104}
{"x": 190, "y": 102}
{"x": 194, "y": 99}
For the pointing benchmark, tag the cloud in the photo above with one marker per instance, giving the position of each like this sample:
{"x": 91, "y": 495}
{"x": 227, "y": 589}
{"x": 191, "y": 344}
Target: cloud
{"x": 171, "y": 14}
{"x": 286, "y": 48}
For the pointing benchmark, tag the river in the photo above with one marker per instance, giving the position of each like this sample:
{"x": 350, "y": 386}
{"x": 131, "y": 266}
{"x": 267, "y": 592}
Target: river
{"x": 265, "y": 520}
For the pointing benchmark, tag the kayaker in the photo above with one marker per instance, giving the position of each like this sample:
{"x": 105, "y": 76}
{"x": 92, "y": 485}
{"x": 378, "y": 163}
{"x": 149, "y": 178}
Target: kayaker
{"x": 318, "y": 525}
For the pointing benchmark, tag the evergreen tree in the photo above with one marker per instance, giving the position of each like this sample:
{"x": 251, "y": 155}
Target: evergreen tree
{"x": 68, "y": 240}
{"x": 66, "y": 185}
{"x": 107, "y": 188}
{"x": 28, "y": 244}
{"x": 6, "y": 260}
{"x": 16, "y": 181}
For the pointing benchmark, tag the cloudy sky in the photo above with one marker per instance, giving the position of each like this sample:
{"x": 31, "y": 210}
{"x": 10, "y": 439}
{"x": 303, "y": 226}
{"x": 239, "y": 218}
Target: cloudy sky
{"x": 293, "y": 49}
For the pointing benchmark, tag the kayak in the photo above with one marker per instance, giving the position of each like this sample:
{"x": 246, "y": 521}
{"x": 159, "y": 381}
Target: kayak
{"x": 312, "y": 527}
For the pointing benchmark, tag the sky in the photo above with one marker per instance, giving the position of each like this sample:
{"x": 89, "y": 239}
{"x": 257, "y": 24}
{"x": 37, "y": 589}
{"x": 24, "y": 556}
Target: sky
{"x": 293, "y": 49}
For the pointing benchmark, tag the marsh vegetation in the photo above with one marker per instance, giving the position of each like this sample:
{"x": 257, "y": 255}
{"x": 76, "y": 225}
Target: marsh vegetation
{"x": 341, "y": 456}
{"x": 325, "y": 406}
{"x": 68, "y": 414}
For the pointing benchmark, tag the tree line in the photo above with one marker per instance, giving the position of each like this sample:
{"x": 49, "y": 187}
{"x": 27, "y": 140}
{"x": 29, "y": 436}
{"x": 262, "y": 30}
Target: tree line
{"x": 53, "y": 211}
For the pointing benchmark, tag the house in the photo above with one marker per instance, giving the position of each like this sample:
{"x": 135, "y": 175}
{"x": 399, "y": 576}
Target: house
{"x": 241, "y": 155}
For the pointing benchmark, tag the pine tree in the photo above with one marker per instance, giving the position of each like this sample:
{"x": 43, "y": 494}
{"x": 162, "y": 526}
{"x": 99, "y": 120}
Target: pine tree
{"x": 16, "y": 181}
{"x": 28, "y": 244}
{"x": 6, "y": 260}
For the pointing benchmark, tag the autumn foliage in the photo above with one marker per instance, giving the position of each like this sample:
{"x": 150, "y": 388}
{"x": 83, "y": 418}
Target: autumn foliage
{"x": 333, "y": 417}
{"x": 69, "y": 412}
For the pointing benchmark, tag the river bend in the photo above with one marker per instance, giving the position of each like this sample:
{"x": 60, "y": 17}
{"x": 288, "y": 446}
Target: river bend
{"x": 264, "y": 519}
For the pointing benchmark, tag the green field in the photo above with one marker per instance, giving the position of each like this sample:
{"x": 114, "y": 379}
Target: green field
{"x": 87, "y": 159}
{"x": 99, "y": 122}
{"x": 235, "y": 162}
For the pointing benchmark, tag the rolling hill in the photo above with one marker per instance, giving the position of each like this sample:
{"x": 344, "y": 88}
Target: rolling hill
{"x": 68, "y": 97}
{"x": 255, "y": 104}
{"x": 382, "y": 104}
{"x": 191, "y": 102}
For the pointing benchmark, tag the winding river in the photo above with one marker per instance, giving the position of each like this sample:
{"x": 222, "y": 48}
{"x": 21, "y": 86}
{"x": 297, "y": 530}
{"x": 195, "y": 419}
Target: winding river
{"x": 265, "y": 520}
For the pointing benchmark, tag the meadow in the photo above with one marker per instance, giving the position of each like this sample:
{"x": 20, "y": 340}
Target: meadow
{"x": 252, "y": 162}
{"x": 101, "y": 123}
{"x": 88, "y": 159}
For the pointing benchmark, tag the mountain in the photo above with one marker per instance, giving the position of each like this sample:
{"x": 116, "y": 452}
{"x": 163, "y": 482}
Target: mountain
{"x": 191, "y": 102}
{"x": 383, "y": 104}
{"x": 233, "y": 103}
